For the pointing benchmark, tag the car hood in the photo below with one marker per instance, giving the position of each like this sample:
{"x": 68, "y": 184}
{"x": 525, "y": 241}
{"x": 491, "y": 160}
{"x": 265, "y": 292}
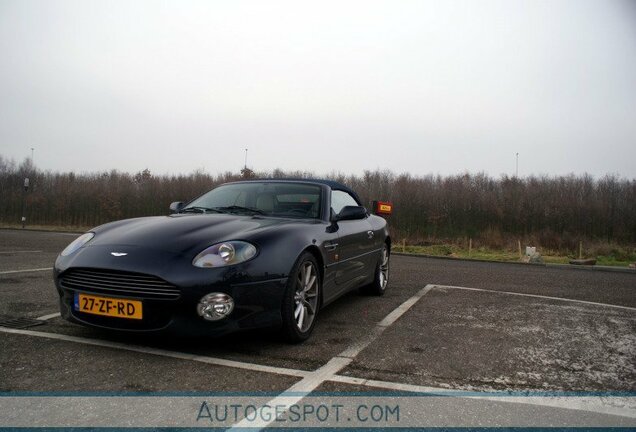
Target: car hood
{"x": 184, "y": 232}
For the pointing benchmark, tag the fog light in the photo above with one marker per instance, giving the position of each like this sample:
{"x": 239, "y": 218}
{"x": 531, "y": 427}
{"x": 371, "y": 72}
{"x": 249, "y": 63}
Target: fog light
{"x": 215, "y": 306}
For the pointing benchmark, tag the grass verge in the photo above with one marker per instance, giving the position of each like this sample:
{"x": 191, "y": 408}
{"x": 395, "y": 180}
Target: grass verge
{"x": 485, "y": 253}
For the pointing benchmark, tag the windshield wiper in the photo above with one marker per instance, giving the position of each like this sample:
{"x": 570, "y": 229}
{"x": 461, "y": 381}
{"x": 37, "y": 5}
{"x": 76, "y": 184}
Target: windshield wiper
{"x": 197, "y": 209}
{"x": 235, "y": 208}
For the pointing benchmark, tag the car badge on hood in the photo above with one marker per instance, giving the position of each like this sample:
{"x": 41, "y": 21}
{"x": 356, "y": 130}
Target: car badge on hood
{"x": 118, "y": 254}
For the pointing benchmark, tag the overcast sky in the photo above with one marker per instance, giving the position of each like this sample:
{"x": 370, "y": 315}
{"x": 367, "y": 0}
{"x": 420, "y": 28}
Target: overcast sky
{"x": 412, "y": 86}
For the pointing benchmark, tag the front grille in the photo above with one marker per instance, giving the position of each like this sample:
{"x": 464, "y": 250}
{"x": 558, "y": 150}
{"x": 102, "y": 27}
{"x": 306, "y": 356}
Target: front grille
{"x": 119, "y": 283}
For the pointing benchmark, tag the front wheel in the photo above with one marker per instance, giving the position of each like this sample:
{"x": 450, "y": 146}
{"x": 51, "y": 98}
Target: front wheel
{"x": 301, "y": 301}
{"x": 381, "y": 280}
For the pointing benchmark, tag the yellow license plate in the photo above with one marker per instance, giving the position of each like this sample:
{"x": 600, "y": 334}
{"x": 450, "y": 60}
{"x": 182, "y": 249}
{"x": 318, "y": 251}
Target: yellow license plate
{"x": 108, "y": 306}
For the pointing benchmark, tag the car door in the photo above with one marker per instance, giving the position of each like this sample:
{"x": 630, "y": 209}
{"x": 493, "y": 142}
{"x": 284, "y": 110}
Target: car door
{"x": 355, "y": 242}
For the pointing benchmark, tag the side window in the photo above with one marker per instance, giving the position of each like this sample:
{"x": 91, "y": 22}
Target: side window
{"x": 340, "y": 199}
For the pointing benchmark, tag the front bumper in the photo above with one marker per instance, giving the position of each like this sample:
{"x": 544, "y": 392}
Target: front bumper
{"x": 257, "y": 298}
{"x": 257, "y": 305}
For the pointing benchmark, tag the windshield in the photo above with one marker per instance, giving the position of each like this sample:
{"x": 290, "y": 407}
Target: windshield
{"x": 266, "y": 198}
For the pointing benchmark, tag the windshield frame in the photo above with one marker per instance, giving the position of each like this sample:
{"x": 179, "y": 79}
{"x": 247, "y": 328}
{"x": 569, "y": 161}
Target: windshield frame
{"x": 321, "y": 214}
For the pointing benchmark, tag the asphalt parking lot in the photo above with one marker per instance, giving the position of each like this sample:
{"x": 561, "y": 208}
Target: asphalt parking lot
{"x": 442, "y": 324}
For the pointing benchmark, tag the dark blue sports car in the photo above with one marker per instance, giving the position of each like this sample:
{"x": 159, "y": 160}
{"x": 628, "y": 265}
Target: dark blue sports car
{"x": 249, "y": 254}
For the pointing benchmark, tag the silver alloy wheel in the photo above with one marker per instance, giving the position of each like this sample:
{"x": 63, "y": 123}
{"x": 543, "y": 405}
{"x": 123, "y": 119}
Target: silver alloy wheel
{"x": 306, "y": 296}
{"x": 384, "y": 269}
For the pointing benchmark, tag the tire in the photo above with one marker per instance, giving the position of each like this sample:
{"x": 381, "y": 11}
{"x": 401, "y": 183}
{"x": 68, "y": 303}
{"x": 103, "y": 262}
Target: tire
{"x": 301, "y": 302}
{"x": 381, "y": 279}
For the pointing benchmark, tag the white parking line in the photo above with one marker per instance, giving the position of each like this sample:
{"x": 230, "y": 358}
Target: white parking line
{"x": 161, "y": 352}
{"x": 48, "y": 317}
{"x": 325, "y": 373}
{"x": 388, "y": 385}
{"x": 379, "y": 328}
{"x": 20, "y": 251}
{"x": 26, "y": 270}
{"x": 623, "y": 406}
{"x": 535, "y": 296}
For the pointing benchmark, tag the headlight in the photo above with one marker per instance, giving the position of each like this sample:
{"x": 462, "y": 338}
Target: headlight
{"x": 225, "y": 254}
{"x": 77, "y": 243}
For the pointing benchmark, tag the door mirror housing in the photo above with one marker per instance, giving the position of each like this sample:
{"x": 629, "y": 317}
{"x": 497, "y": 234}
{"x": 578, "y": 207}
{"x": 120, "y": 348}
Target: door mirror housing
{"x": 351, "y": 213}
{"x": 176, "y": 207}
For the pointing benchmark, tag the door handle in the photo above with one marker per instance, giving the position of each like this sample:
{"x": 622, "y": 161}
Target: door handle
{"x": 331, "y": 246}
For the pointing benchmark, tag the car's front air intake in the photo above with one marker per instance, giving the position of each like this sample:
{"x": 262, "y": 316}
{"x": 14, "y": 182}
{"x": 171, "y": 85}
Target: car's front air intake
{"x": 118, "y": 283}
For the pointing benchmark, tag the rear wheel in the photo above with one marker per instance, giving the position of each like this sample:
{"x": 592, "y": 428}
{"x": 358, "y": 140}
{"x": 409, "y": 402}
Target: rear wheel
{"x": 381, "y": 280}
{"x": 301, "y": 301}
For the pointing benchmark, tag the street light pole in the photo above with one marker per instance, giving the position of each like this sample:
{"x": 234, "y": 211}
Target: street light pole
{"x": 24, "y": 192}
{"x": 517, "y": 171}
{"x": 245, "y": 167}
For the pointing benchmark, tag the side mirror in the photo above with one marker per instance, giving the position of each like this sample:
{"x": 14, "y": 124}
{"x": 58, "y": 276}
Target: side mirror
{"x": 351, "y": 213}
{"x": 176, "y": 207}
